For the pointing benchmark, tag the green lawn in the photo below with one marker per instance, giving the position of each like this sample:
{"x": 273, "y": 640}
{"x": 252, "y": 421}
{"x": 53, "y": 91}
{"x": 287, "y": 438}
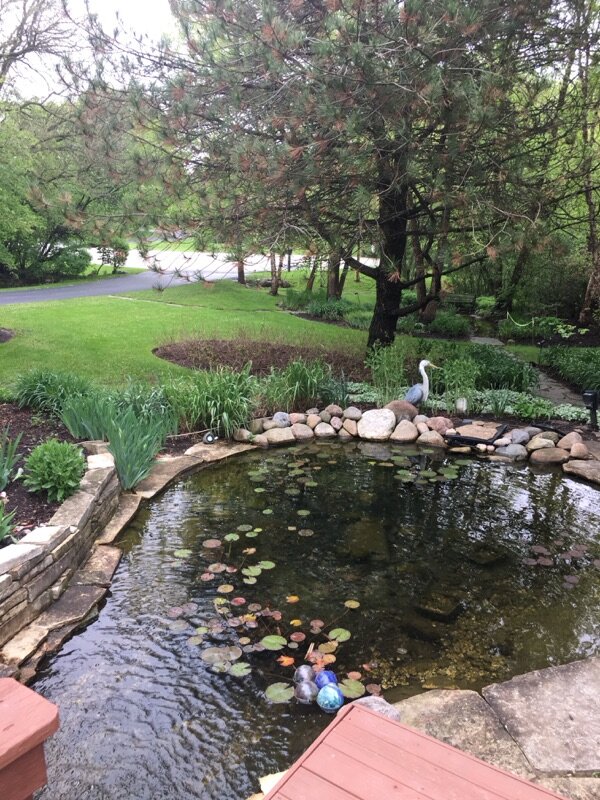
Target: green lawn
{"x": 111, "y": 338}
{"x": 89, "y": 275}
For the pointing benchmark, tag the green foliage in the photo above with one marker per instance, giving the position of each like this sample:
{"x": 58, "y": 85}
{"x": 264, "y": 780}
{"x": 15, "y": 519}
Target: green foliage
{"x": 134, "y": 441}
{"x": 359, "y": 318}
{"x": 485, "y": 305}
{"x": 388, "y": 375}
{"x": 449, "y": 324}
{"x": 460, "y": 378}
{"x": 539, "y": 328}
{"x": 294, "y": 300}
{"x": 88, "y": 416}
{"x": 332, "y": 310}
{"x": 504, "y": 402}
{"x": 6, "y": 520}
{"x": 507, "y": 329}
{"x": 219, "y": 400}
{"x": 576, "y": 365}
{"x": 300, "y": 385}
{"x": 8, "y": 457}
{"x": 529, "y": 407}
{"x": 55, "y": 467}
{"x": 114, "y": 253}
{"x": 45, "y": 390}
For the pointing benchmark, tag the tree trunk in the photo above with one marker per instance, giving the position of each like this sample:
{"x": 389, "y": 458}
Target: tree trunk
{"x": 241, "y": 275}
{"x": 591, "y": 302}
{"x": 274, "y": 276}
{"x": 312, "y": 275}
{"x": 333, "y": 276}
{"x": 507, "y": 295}
{"x": 289, "y": 260}
{"x": 385, "y": 313}
{"x": 343, "y": 277}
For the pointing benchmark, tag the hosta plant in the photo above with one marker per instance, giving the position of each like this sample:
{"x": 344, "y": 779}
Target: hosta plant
{"x": 56, "y": 468}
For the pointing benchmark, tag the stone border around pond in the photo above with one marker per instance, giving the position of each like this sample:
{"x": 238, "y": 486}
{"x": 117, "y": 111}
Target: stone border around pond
{"x": 53, "y": 579}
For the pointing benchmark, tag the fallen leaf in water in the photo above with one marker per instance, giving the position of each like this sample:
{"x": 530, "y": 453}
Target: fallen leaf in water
{"x": 292, "y": 598}
{"x": 286, "y": 661}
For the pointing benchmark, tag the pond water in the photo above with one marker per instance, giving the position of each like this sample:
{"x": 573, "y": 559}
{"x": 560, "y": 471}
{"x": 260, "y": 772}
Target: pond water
{"x": 466, "y": 573}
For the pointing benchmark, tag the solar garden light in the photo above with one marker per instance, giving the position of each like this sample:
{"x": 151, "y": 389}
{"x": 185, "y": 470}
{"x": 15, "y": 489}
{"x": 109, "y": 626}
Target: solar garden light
{"x": 461, "y": 405}
{"x": 590, "y": 401}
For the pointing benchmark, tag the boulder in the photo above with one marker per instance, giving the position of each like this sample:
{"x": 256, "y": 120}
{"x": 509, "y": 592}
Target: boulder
{"x": 350, "y": 427}
{"x": 538, "y": 443}
{"x": 325, "y": 416}
{"x": 280, "y": 436}
{"x": 352, "y": 412}
{"x": 324, "y": 431}
{"x": 403, "y": 410}
{"x": 312, "y": 420}
{"x": 504, "y": 441}
{"x": 282, "y": 418}
{"x": 420, "y": 418}
{"x": 312, "y": 411}
{"x": 344, "y": 436}
{"x": 255, "y": 426}
{"x": 567, "y": 442}
{"x": 552, "y": 435}
{"x": 334, "y": 410}
{"x": 532, "y": 430}
{"x": 422, "y": 427}
{"x": 336, "y": 423}
{"x": 242, "y": 435}
{"x": 377, "y": 425}
{"x": 588, "y": 470}
{"x": 517, "y": 452}
{"x": 440, "y": 424}
{"x": 272, "y": 424}
{"x": 261, "y": 440}
{"x": 579, "y": 450}
{"x": 302, "y": 433}
{"x": 549, "y": 455}
{"x": 478, "y": 430}
{"x": 519, "y": 436}
{"x": 298, "y": 419}
{"x": 432, "y": 438}
{"x": 405, "y": 432}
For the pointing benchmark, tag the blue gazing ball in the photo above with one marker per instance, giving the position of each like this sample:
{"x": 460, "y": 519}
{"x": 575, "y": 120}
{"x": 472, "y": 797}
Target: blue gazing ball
{"x": 304, "y": 673}
{"x": 306, "y": 692}
{"x": 324, "y": 677}
{"x": 330, "y": 698}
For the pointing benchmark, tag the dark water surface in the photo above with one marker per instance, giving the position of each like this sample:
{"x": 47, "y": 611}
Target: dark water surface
{"x": 142, "y": 715}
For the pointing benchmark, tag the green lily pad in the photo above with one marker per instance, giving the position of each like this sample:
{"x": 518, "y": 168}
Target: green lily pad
{"x": 273, "y": 642}
{"x": 232, "y": 537}
{"x": 195, "y": 640}
{"x": 267, "y": 511}
{"x": 293, "y": 492}
{"x": 241, "y": 669}
{"x": 252, "y": 572}
{"x": 201, "y": 629}
{"x": 182, "y": 553}
{"x": 216, "y": 655}
{"x": 266, "y": 564}
{"x": 463, "y": 462}
{"x": 251, "y": 535}
{"x": 352, "y": 689}
{"x": 340, "y": 634}
{"x": 279, "y": 692}
{"x": 260, "y": 490}
{"x": 303, "y": 512}
{"x": 244, "y": 528}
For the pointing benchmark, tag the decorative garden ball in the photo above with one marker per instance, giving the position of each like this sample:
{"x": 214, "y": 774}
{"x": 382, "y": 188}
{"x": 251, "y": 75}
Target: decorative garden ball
{"x": 306, "y": 692}
{"x": 324, "y": 677}
{"x": 330, "y": 698}
{"x": 304, "y": 673}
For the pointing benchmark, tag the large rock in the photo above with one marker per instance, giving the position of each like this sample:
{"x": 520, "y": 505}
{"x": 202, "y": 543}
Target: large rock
{"x": 344, "y": 436}
{"x": 569, "y": 440}
{"x": 402, "y": 410}
{"x": 579, "y": 450}
{"x": 298, "y": 418}
{"x": 405, "y": 432}
{"x": 334, "y": 410}
{"x": 420, "y": 418}
{"x": 440, "y": 424}
{"x": 352, "y": 412}
{"x": 432, "y": 438}
{"x": 519, "y": 436}
{"x": 538, "y": 443}
{"x": 552, "y": 435}
{"x": 422, "y": 427}
{"x": 478, "y": 430}
{"x": 515, "y": 451}
{"x": 377, "y": 425}
{"x": 280, "y": 420}
{"x": 242, "y": 435}
{"x": 255, "y": 426}
{"x": 336, "y": 423}
{"x": 553, "y": 715}
{"x": 548, "y": 456}
{"x": 350, "y": 426}
{"x": 301, "y": 432}
{"x": 324, "y": 431}
{"x": 312, "y": 420}
{"x": 280, "y": 436}
{"x": 588, "y": 470}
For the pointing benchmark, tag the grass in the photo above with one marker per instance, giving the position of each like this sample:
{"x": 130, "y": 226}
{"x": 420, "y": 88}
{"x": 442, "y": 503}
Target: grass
{"x": 110, "y": 338}
{"x": 106, "y": 271}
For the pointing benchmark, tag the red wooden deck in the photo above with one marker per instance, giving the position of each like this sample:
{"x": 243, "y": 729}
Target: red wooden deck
{"x": 26, "y": 721}
{"x": 365, "y": 756}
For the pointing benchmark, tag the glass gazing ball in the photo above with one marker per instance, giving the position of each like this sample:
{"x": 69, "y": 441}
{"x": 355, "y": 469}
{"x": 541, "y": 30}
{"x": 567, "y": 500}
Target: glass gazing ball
{"x": 304, "y": 673}
{"x": 306, "y": 692}
{"x": 330, "y": 698}
{"x": 324, "y": 677}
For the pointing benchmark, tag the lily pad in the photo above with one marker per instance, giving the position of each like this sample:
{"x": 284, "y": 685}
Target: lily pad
{"x": 207, "y": 576}
{"x": 182, "y": 553}
{"x": 175, "y": 612}
{"x": 195, "y": 640}
{"x": 279, "y": 692}
{"x": 260, "y": 490}
{"x": 240, "y": 670}
{"x": 251, "y": 534}
{"x": 266, "y": 564}
{"x": 352, "y": 689}
{"x": 244, "y": 528}
{"x": 293, "y": 492}
{"x": 211, "y": 544}
{"x": 238, "y": 601}
{"x": 215, "y": 655}
{"x": 267, "y": 511}
{"x": 298, "y": 636}
{"x": 252, "y": 572}
{"x": 340, "y": 634}
{"x": 232, "y": 537}
{"x": 303, "y": 512}
{"x": 273, "y": 642}
{"x": 250, "y": 581}
{"x": 178, "y": 626}
{"x": 352, "y": 604}
{"x": 201, "y": 629}
{"x": 328, "y": 647}
{"x": 217, "y": 567}
{"x": 306, "y": 532}
{"x": 225, "y": 588}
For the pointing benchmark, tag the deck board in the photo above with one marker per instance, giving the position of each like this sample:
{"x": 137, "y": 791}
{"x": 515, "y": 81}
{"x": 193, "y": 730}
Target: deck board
{"x": 365, "y": 756}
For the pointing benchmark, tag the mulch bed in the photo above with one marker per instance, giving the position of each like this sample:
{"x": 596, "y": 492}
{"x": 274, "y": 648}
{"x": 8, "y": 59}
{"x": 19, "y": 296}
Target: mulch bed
{"x": 32, "y": 509}
{"x": 210, "y": 353}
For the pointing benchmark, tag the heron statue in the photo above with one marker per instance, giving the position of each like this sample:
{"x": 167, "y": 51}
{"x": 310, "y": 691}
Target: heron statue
{"x": 419, "y": 393}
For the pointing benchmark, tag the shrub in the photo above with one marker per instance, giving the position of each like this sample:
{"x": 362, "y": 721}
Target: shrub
{"x": 508, "y": 329}
{"x": 450, "y": 324}
{"x": 332, "y": 310}
{"x": 8, "y": 457}
{"x": 299, "y": 385}
{"x": 46, "y": 391}
{"x": 485, "y": 305}
{"x": 88, "y": 416}
{"x": 219, "y": 400}
{"x": 293, "y": 300}
{"x": 134, "y": 441}
{"x": 530, "y": 407}
{"x": 55, "y": 467}
{"x": 359, "y": 318}
{"x": 578, "y": 366}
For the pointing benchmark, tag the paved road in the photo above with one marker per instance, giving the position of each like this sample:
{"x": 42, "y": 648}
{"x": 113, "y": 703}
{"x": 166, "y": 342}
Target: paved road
{"x": 193, "y": 264}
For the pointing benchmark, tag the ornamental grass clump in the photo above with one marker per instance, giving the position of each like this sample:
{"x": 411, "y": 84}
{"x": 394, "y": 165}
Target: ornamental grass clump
{"x": 46, "y": 391}
{"x": 134, "y": 442}
{"x": 56, "y": 468}
{"x": 299, "y": 385}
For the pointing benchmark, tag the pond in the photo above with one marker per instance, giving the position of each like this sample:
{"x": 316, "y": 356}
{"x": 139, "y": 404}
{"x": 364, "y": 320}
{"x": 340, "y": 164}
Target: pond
{"x": 459, "y": 573}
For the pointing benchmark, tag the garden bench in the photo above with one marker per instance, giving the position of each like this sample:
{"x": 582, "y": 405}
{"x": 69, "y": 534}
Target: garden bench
{"x": 26, "y": 721}
{"x": 461, "y": 302}
{"x": 363, "y": 755}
